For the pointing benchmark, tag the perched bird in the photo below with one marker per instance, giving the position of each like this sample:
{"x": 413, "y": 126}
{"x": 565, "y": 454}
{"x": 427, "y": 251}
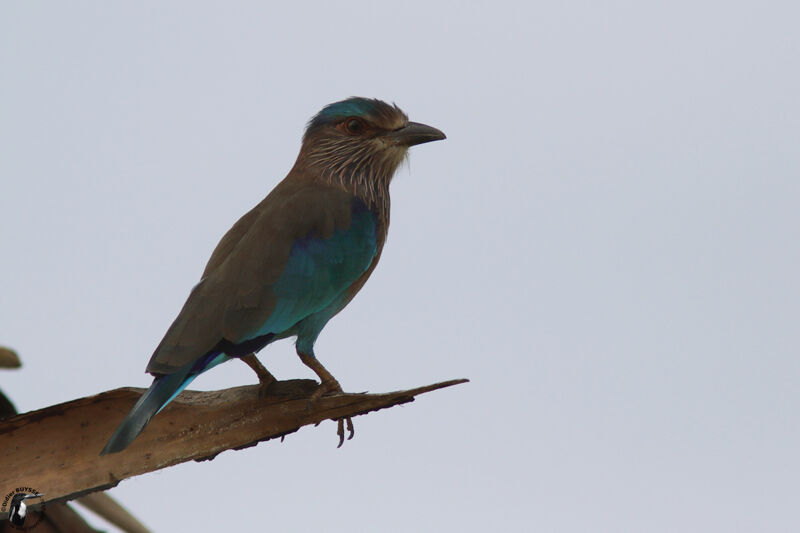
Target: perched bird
{"x": 292, "y": 262}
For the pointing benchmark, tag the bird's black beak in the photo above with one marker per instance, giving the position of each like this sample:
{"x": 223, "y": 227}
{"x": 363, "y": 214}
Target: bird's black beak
{"x": 415, "y": 133}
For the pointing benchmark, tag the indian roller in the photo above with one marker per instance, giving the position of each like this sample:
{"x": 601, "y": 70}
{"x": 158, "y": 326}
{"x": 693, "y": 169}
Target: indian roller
{"x": 292, "y": 262}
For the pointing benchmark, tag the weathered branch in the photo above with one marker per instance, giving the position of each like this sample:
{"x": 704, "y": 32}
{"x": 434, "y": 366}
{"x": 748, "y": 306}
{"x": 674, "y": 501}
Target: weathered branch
{"x": 56, "y": 450}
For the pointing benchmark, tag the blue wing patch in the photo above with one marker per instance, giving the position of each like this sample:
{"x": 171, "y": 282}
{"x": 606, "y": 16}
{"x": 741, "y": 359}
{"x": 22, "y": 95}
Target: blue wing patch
{"x": 319, "y": 271}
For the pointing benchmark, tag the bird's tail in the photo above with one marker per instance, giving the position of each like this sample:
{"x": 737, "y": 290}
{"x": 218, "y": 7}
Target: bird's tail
{"x": 160, "y": 393}
{"x": 163, "y": 390}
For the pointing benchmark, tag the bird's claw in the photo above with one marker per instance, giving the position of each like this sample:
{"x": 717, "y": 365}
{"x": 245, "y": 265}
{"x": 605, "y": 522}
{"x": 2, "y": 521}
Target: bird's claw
{"x": 328, "y": 387}
{"x": 263, "y": 390}
{"x": 340, "y": 429}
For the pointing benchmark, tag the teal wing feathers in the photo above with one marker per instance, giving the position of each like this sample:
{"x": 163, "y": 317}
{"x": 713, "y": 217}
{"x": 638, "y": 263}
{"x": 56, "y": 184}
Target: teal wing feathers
{"x": 295, "y": 254}
{"x": 319, "y": 270}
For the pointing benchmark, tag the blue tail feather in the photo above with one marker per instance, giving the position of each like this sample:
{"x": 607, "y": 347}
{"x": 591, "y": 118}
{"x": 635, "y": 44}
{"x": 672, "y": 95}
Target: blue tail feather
{"x": 163, "y": 390}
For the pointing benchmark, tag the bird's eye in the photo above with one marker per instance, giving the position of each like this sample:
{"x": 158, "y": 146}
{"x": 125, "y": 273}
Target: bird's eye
{"x": 354, "y": 126}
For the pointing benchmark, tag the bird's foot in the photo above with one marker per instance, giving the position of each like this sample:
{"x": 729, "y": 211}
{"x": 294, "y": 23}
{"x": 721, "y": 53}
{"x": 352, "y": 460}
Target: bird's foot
{"x": 264, "y": 389}
{"x": 265, "y": 378}
{"x": 328, "y": 387}
{"x": 340, "y": 429}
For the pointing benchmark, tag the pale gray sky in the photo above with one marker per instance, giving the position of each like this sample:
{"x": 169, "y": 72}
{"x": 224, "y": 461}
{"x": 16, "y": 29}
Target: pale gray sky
{"x": 606, "y": 245}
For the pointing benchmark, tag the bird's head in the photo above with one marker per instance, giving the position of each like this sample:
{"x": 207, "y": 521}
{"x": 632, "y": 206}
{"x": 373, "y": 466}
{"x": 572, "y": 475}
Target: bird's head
{"x": 360, "y": 142}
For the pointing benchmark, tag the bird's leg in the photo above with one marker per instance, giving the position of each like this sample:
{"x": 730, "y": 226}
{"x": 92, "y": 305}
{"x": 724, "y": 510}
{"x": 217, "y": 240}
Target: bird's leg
{"x": 264, "y": 376}
{"x": 327, "y": 384}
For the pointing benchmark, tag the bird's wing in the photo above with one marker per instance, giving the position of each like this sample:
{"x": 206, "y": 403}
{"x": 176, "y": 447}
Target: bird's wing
{"x": 290, "y": 257}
